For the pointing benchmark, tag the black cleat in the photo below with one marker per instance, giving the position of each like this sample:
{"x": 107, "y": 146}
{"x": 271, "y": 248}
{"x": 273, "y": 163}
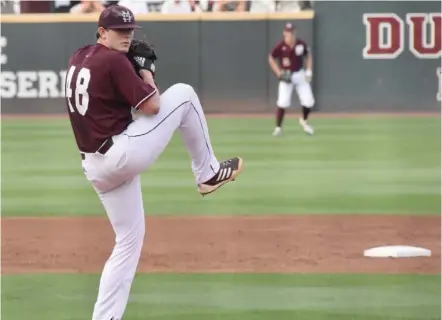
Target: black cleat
{"x": 228, "y": 171}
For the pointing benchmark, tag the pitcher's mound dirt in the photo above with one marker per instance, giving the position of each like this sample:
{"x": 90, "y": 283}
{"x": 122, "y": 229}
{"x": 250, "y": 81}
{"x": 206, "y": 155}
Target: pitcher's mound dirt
{"x": 299, "y": 244}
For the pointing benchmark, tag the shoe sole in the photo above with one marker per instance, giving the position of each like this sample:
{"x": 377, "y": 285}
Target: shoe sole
{"x": 205, "y": 189}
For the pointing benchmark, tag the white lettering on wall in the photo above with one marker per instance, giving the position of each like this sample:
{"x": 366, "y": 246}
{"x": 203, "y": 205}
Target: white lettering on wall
{"x": 3, "y": 56}
{"x": 27, "y": 84}
{"x": 32, "y": 84}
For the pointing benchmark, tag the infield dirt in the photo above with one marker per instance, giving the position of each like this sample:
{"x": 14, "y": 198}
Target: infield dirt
{"x": 279, "y": 244}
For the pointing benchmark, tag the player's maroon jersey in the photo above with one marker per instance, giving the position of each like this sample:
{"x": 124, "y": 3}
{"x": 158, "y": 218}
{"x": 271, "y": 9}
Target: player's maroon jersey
{"x": 101, "y": 88}
{"x": 290, "y": 58}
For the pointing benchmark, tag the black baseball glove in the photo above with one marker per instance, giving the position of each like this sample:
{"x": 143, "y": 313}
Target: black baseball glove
{"x": 142, "y": 56}
{"x": 286, "y": 76}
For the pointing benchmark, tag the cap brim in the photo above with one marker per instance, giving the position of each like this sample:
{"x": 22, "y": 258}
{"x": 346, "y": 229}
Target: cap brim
{"x": 126, "y": 26}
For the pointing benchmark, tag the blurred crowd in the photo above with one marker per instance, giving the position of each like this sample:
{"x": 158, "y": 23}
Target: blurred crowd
{"x": 158, "y": 6}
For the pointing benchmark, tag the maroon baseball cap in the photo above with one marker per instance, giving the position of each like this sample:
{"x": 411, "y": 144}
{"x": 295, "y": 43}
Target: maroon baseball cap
{"x": 289, "y": 27}
{"x": 117, "y": 17}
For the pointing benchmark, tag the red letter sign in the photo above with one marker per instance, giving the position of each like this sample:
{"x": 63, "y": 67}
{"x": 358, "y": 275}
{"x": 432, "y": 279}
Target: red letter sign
{"x": 425, "y": 44}
{"x": 384, "y": 36}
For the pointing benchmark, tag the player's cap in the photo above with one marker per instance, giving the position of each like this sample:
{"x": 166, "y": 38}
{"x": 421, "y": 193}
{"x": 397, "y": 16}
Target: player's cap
{"x": 117, "y": 17}
{"x": 289, "y": 27}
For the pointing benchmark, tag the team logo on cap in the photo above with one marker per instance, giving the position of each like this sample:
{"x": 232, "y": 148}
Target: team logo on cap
{"x": 140, "y": 60}
{"x": 127, "y": 17}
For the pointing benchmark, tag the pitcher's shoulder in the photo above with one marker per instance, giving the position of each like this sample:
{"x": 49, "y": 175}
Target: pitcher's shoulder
{"x": 108, "y": 55}
{"x": 79, "y": 54}
{"x": 97, "y": 51}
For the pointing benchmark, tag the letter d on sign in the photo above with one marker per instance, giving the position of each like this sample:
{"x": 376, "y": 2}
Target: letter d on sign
{"x": 384, "y": 36}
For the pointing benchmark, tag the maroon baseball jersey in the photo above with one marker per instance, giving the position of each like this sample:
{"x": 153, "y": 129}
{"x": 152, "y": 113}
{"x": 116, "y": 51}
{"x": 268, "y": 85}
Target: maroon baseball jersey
{"x": 101, "y": 88}
{"x": 290, "y": 58}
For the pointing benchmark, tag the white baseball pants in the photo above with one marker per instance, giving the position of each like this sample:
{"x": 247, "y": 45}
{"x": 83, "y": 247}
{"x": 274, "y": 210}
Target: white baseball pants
{"x": 303, "y": 89}
{"x": 116, "y": 178}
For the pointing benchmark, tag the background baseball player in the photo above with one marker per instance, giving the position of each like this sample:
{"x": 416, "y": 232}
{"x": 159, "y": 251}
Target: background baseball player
{"x": 103, "y": 83}
{"x": 287, "y": 62}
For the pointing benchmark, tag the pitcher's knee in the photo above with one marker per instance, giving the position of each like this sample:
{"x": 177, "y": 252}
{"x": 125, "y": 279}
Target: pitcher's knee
{"x": 177, "y": 95}
{"x": 182, "y": 88}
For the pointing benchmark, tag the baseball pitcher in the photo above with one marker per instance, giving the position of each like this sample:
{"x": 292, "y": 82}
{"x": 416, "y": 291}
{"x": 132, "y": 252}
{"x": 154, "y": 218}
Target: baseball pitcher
{"x": 287, "y": 62}
{"x": 104, "y": 82}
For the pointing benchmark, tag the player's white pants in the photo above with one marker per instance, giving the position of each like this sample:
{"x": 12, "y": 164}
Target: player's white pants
{"x": 303, "y": 89}
{"x": 116, "y": 178}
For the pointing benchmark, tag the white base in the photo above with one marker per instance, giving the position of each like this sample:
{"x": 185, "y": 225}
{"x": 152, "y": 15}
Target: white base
{"x": 397, "y": 252}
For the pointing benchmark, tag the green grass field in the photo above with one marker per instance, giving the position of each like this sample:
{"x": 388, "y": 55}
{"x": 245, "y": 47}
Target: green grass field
{"x": 239, "y": 297}
{"x": 376, "y": 165}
